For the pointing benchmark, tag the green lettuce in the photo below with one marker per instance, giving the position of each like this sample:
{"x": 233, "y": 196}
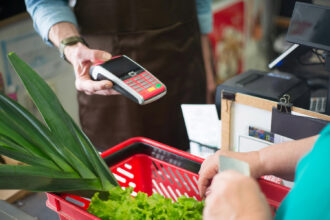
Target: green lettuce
{"x": 119, "y": 204}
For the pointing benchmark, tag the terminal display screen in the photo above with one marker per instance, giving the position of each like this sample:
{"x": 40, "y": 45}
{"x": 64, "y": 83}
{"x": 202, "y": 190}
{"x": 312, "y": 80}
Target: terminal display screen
{"x": 309, "y": 26}
{"x": 120, "y": 66}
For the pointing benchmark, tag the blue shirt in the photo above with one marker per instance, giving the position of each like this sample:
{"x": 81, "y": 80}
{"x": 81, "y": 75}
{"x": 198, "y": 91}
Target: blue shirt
{"x": 310, "y": 196}
{"x": 46, "y": 13}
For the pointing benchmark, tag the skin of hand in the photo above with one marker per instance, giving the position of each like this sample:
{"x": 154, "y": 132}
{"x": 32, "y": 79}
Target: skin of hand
{"x": 278, "y": 159}
{"x": 210, "y": 166}
{"x": 236, "y": 197}
{"x": 81, "y": 57}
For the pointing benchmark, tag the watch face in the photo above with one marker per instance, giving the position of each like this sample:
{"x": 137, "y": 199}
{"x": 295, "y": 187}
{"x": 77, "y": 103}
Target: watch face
{"x": 122, "y": 67}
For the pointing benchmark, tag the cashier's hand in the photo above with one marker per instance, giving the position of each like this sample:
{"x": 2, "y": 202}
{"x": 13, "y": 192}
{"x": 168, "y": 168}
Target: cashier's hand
{"x": 82, "y": 57}
{"x": 210, "y": 167}
{"x": 236, "y": 197}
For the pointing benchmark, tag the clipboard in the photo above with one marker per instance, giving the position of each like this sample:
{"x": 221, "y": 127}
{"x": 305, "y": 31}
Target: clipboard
{"x": 239, "y": 111}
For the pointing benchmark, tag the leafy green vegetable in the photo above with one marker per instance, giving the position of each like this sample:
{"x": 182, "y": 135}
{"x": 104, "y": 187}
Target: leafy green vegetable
{"x": 57, "y": 154}
{"x": 121, "y": 205}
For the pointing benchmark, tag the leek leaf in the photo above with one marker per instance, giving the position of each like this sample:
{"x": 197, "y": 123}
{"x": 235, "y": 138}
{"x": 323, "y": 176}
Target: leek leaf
{"x": 48, "y": 105}
{"x": 11, "y": 149}
{"x": 59, "y": 156}
{"x": 102, "y": 169}
{"x": 41, "y": 179}
{"x": 63, "y": 127}
{"x": 34, "y": 136}
{"x": 54, "y": 115}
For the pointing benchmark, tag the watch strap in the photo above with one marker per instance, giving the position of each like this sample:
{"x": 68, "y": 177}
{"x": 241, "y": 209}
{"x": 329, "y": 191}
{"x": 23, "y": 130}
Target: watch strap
{"x": 70, "y": 41}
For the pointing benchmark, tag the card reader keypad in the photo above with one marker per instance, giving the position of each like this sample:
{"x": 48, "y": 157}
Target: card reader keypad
{"x": 145, "y": 84}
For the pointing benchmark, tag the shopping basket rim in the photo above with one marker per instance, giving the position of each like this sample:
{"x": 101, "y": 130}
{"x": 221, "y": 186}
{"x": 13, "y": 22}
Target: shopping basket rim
{"x": 144, "y": 140}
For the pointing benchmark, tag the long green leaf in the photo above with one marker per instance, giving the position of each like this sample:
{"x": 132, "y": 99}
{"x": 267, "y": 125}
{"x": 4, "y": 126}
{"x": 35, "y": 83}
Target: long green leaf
{"x": 20, "y": 130}
{"x": 48, "y": 105}
{"x": 10, "y": 149}
{"x": 41, "y": 179}
{"x": 107, "y": 178}
{"x": 9, "y": 129}
{"x": 28, "y": 132}
{"x": 30, "y": 128}
{"x": 12, "y": 133}
{"x": 64, "y": 125}
{"x": 60, "y": 141}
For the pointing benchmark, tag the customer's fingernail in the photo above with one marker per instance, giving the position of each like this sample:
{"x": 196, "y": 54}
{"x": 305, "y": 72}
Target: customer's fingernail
{"x": 108, "y": 86}
{"x": 106, "y": 56}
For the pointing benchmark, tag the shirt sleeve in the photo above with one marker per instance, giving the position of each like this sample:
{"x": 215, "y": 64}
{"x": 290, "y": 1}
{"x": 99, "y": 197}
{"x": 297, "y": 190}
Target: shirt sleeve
{"x": 204, "y": 14}
{"x": 46, "y": 13}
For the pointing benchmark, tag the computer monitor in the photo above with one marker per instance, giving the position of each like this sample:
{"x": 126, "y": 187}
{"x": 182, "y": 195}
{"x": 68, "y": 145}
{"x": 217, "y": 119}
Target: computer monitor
{"x": 310, "y": 26}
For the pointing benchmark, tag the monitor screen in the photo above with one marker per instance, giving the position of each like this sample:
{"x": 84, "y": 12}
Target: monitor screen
{"x": 310, "y": 26}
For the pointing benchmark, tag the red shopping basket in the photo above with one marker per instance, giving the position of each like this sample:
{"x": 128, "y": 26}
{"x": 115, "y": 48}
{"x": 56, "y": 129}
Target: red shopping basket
{"x": 150, "y": 167}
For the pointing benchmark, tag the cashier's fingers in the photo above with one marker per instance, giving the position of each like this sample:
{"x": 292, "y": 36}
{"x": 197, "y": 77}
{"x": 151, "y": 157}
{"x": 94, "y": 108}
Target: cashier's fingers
{"x": 207, "y": 171}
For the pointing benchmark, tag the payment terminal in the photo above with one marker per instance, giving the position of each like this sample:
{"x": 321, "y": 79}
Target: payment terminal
{"x": 130, "y": 79}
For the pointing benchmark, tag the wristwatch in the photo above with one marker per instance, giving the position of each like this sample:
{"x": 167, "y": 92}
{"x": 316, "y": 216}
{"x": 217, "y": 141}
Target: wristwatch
{"x": 69, "y": 41}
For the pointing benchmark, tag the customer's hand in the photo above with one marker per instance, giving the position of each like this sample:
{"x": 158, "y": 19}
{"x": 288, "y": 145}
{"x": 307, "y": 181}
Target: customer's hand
{"x": 236, "y": 197}
{"x": 210, "y": 167}
{"x": 82, "y": 57}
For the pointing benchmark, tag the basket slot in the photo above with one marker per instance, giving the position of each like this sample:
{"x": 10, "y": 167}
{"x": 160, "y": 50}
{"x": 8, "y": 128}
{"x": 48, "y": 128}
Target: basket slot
{"x": 128, "y": 166}
{"x": 164, "y": 190}
{"x": 174, "y": 177}
{"x": 157, "y": 187}
{"x": 178, "y": 192}
{"x": 162, "y": 173}
{"x": 119, "y": 178}
{"x": 167, "y": 175}
{"x": 74, "y": 201}
{"x": 154, "y": 174}
{"x": 125, "y": 173}
{"x": 158, "y": 171}
{"x": 184, "y": 183}
{"x": 131, "y": 184}
{"x": 195, "y": 179}
{"x": 172, "y": 193}
{"x": 191, "y": 183}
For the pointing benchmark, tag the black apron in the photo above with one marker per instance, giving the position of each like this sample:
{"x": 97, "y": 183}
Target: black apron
{"x": 163, "y": 36}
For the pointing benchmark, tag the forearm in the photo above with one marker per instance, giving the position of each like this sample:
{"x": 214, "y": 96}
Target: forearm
{"x": 60, "y": 31}
{"x": 47, "y": 13}
{"x": 281, "y": 159}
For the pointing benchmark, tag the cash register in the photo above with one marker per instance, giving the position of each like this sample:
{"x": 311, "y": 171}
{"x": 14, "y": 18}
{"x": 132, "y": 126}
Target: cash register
{"x": 310, "y": 33}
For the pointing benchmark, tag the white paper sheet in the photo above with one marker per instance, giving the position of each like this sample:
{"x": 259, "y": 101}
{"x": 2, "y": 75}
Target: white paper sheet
{"x": 202, "y": 124}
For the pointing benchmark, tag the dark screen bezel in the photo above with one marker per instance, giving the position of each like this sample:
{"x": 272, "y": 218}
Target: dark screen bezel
{"x": 292, "y": 39}
{"x": 116, "y": 59}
